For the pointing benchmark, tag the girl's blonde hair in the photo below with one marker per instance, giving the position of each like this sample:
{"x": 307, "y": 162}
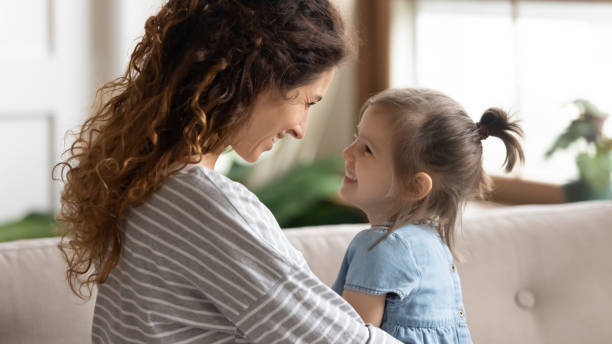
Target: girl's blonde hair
{"x": 434, "y": 134}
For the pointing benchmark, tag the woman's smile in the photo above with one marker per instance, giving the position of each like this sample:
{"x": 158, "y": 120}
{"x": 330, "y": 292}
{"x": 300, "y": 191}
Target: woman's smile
{"x": 273, "y": 115}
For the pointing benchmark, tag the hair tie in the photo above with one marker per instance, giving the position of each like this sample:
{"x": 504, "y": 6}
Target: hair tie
{"x": 483, "y": 131}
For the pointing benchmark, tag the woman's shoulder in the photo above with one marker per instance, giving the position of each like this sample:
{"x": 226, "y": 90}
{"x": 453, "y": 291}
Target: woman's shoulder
{"x": 208, "y": 180}
{"x": 211, "y": 187}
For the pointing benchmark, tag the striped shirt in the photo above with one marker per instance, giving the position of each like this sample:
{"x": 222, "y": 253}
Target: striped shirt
{"x": 204, "y": 261}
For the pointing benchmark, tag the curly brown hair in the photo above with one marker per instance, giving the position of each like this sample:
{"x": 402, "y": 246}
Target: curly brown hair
{"x": 188, "y": 86}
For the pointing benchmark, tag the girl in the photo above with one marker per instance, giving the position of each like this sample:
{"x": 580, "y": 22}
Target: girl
{"x": 416, "y": 160}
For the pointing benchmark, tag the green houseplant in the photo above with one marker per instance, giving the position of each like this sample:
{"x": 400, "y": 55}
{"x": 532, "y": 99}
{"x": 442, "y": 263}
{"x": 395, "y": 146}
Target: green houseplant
{"x": 33, "y": 225}
{"x": 594, "y": 160}
{"x": 307, "y": 195}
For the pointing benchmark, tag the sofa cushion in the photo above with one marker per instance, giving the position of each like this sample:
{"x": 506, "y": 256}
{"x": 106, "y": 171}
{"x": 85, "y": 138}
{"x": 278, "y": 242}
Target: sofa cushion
{"x": 539, "y": 274}
{"x": 530, "y": 274}
{"x": 36, "y": 304}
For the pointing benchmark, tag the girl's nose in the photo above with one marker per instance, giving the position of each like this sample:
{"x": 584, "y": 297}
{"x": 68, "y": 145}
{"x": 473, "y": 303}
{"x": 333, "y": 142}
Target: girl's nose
{"x": 348, "y": 151}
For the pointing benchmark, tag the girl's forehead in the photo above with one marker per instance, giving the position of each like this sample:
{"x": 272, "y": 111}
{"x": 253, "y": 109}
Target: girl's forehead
{"x": 375, "y": 118}
{"x": 375, "y": 129}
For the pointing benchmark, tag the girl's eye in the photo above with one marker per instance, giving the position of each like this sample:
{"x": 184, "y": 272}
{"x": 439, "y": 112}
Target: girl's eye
{"x": 365, "y": 147}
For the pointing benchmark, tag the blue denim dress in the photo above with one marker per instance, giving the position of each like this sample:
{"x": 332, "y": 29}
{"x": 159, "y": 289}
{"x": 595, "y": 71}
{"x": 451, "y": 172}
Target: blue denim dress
{"x": 416, "y": 271}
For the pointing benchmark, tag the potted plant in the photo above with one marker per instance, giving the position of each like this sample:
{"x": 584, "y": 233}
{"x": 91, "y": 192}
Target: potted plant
{"x": 594, "y": 161}
{"x": 307, "y": 195}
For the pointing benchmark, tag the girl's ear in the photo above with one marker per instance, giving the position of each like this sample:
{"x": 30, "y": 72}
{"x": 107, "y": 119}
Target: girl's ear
{"x": 419, "y": 186}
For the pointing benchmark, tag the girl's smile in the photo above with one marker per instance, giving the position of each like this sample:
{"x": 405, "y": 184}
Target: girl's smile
{"x": 368, "y": 172}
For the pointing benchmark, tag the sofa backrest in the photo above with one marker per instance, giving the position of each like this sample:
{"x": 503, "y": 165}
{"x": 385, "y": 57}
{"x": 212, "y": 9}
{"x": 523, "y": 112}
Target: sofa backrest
{"x": 530, "y": 274}
{"x": 36, "y": 305}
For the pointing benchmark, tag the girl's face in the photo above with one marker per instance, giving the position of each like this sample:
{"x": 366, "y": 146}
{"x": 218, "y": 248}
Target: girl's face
{"x": 273, "y": 116}
{"x": 368, "y": 172}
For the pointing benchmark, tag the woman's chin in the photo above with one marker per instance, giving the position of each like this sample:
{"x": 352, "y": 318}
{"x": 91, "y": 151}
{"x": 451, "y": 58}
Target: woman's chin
{"x": 251, "y": 157}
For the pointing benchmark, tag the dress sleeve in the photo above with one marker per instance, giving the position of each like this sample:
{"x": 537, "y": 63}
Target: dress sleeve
{"x": 268, "y": 298}
{"x": 389, "y": 267}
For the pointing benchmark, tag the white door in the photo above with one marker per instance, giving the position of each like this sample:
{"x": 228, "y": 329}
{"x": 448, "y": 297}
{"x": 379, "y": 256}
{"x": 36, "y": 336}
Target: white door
{"x": 44, "y": 90}
{"x": 54, "y": 54}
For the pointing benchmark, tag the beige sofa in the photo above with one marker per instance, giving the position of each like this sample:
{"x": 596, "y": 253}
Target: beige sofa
{"x": 530, "y": 274}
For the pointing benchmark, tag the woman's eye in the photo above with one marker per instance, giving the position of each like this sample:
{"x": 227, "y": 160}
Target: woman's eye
{"x": 367, "y": 149}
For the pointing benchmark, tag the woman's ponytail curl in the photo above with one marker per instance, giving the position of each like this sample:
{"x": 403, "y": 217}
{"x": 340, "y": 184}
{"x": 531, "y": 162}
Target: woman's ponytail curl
{"x": 496, "y": 122}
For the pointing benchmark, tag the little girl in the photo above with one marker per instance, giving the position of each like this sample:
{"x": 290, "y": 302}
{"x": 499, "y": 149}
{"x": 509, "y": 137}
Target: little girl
{"x": 415, "y": 161}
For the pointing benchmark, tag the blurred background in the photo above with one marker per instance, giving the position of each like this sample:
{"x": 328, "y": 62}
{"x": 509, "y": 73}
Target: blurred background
{"x": 546, "y": 62}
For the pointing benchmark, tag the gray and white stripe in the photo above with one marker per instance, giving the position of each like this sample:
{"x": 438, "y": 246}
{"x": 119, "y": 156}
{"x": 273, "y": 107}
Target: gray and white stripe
{"x": 205, "y": 262}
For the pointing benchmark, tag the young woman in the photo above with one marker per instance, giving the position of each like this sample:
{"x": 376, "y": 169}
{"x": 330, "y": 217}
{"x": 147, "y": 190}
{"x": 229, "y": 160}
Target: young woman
{"x": 179, "y": 253}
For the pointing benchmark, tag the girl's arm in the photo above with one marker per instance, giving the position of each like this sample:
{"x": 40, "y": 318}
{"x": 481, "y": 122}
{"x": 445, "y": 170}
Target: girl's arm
{"x": 370, "y": 307}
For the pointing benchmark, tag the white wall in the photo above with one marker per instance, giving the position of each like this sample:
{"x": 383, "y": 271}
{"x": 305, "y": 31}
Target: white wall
{"x": 45, "y": 71}
{"x": 54, "y": 54}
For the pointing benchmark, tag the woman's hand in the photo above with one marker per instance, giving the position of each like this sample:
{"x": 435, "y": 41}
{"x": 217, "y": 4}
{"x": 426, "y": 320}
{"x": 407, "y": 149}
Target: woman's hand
{"x": 370, "y": 307}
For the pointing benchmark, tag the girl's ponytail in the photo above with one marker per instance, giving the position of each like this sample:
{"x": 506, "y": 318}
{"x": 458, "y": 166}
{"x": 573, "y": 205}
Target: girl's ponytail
{"x": 495, "y": 122}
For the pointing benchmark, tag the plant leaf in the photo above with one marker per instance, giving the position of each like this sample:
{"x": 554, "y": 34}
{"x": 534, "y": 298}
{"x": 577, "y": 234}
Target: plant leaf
{"x": 595, "y": 170}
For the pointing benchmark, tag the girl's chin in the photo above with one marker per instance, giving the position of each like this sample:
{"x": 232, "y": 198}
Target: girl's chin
{"x": 345, "y": 193}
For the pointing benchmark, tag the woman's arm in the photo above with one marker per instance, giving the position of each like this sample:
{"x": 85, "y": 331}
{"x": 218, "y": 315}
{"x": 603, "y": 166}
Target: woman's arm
{"x": 370, "y": 307}
{"x": 266, "y": 296}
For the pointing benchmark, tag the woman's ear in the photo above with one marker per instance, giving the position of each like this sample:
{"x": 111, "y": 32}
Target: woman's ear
{"x": 419, "y": 186}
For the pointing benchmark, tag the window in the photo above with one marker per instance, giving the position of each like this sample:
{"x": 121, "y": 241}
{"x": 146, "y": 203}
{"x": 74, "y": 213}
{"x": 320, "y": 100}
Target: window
{"x": 532, "y": 58}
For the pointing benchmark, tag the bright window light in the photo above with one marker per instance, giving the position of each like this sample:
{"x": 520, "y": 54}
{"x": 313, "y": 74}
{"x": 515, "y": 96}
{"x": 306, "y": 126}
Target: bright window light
{"x": 533, "y": 66}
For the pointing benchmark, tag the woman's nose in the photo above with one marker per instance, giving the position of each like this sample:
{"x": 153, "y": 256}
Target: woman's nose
{"x": 299, "y": 130}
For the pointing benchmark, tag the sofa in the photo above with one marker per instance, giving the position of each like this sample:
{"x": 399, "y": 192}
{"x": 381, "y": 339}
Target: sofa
{"x": 530, "y": 274}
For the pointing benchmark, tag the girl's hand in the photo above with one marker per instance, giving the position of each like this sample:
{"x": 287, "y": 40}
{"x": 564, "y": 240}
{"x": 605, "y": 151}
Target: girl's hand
{"x": 369, "y": 307}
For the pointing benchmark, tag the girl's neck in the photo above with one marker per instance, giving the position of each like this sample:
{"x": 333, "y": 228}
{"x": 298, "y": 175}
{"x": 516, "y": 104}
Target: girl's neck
{"x": 381, "y": 215}
{"x": 379, "y": 220}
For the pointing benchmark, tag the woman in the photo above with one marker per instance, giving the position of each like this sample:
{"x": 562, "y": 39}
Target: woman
{"x": 180, "y": 253}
